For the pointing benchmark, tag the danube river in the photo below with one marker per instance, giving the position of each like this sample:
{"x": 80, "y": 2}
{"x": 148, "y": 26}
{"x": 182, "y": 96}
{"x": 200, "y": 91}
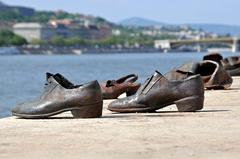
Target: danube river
{"x": 22, "y": 77}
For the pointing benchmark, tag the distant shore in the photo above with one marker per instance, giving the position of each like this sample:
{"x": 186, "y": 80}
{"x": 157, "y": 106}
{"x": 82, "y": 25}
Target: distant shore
{"x": 66, "y": 50}
{"x": 70, "y": 50}
{"x": 56, "y": 50}
{"x": 78, "y": 51}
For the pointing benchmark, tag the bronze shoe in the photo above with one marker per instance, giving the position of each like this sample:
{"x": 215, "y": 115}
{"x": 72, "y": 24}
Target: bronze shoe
{"x": 214, "y": 76}
{"x": 112, "y": 89}
{"x": 230, "y": 64}
{"x": 60, "y": 95}
{"x": 214, "y": 57}
{"x": 158, "y": 92}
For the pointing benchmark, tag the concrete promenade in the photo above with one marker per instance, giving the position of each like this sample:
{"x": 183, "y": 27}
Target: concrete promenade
{"x": 213, "y": 133}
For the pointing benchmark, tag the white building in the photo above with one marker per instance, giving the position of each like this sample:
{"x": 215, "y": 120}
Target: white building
{"x": 162, "y": 44}
{"x": 38, "y": 31}
{"x": 33, "y": 31}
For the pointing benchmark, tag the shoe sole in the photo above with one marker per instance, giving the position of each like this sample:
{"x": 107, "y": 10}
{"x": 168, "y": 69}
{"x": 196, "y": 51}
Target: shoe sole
{"x": 188, "y": 104}
{"x": 86, "y": 111}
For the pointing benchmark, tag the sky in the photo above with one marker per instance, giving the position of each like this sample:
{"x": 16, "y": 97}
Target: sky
{"x": 168, "y": 11}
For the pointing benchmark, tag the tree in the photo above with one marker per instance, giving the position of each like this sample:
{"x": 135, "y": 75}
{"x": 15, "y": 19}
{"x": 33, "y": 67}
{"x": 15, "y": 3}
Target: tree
{"x": 17, "y": 40}
{"x": 38, "y": 42}
{"x": 57, "y": 40}
{"x": 75, "y": 41}
{"x": 9, "y": 38}
{"x": 10, "y": 16}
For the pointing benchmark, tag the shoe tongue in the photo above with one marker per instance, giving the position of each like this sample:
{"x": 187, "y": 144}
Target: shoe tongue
{"x": 156, "y": 76}
{"x": 129, "y": 78}
{"x": 151, "y": 81}
{"x": 51, "y": 79}
{"x": 63, "y": 81}
{"x": 59, "y": 79}
{"x": 48, "y": 75}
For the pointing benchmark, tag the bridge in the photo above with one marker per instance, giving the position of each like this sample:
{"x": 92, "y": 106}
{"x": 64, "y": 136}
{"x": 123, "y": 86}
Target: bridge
{"x": 167, "y": 45}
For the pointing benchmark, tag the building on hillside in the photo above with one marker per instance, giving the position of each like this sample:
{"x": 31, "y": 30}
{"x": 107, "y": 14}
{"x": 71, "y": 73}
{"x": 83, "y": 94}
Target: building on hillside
{"x": 85, "y": 29}
{"x": 37, "y": 31}
{"x": 92, "y": 32}
{"x": 34, "y": 31}
{"x": 65, "y": 22}
{"x": 116, "y": 32}
{"x": 105, "y": 32}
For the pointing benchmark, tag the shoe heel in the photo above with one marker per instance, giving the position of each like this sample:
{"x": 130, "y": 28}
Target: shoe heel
{"x": 90, "y": 111}
{"x": 190, "y": 104}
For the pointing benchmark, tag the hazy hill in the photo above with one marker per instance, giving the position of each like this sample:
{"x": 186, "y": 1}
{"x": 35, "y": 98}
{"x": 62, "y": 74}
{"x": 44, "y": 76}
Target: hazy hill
{"x": 10, "y": 14}
{"x": 6, "y": 10}
{"x": 213, "y": 28}
{"x": 140, "y": 22}
{"x": 218, "y": 28}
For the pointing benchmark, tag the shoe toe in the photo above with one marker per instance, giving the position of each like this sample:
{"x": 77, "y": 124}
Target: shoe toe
{"x": 23, "y": 108}
{"x": 124, "y": 104}
{"x": 18, "y": 109}
{"x": 115, "y": 104}
{"x": 119, "y": 104}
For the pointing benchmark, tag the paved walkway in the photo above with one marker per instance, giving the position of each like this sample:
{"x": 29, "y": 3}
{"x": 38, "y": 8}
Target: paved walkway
{"x": 211, "y": 133}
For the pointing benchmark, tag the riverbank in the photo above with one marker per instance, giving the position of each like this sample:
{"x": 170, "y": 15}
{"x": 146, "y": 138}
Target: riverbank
{"x": 213, "y": 132}
{"x": 71, "y": 50}
{"x": 76, "y": 50}
{"x": 67, "y": 50}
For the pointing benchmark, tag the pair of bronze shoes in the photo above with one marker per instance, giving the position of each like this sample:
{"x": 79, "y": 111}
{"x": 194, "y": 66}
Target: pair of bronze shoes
{"x": 230, "y": 64}
{"x": 84, "y": 101}
{"x": 213, "y": 75}
{"x": 183, "y": 86}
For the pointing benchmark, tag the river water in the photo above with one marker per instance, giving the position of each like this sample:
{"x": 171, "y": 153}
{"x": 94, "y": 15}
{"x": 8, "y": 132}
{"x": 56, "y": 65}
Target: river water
{"x": 22, "y": 77}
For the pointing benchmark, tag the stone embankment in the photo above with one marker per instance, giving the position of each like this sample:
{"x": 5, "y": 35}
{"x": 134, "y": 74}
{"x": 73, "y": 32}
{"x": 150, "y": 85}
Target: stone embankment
{"x": 213, "y": 133}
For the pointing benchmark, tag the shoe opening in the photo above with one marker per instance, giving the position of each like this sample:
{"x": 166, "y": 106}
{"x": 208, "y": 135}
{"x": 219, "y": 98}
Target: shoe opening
{"x": 213, "y": 57}
{"x": 64, "y": 82}
{"x": 206, "y": 68}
